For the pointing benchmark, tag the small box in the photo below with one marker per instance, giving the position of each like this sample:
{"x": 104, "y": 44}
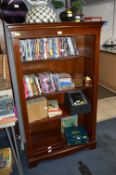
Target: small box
{"x": 76, "y": 102}
{"x": 37, "y": 109}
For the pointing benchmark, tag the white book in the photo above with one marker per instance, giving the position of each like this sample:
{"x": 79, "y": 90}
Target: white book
{"x": 72, "y": 47}
{"x": 6, "y": 125}
{"x": 37, "y": 83}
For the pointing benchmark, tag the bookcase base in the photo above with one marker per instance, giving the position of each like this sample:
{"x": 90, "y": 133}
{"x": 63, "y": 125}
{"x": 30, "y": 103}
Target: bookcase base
{"x": 67, "y": 150}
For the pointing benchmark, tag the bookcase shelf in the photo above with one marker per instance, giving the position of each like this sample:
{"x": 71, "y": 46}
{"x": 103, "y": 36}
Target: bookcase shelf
{"x": 44, "y": 137}
{"x": 59, "y": 93}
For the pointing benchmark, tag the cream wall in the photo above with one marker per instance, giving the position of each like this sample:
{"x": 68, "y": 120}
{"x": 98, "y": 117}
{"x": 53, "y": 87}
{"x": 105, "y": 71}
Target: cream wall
{"x": 107, "y": 70}
{"x": 105, "y": 10}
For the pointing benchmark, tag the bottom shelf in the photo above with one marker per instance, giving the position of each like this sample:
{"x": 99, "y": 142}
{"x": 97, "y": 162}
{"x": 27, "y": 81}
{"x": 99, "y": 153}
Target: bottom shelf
{"x": 52, "y": 144}
{"x": 64, "y": 151}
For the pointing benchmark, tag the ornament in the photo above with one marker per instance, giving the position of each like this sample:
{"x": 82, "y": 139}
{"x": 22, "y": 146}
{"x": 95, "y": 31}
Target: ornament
{"x": 40, "y": 12}
{"x": 13, "y": 11}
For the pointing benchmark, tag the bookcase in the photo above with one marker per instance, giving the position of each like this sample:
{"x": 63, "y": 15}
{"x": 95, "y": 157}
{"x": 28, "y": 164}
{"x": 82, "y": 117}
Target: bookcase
{"x": 44, "y": 139}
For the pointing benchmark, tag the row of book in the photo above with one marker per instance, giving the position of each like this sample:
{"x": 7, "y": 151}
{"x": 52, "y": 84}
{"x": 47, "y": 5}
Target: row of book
{"x": 46, "y": 82}
{"x": 47, "y": 48}
{"x": 7, "y": 111}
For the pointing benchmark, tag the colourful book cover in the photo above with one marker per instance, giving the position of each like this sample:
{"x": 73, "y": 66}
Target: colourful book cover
{"x": 5, "y": 157}
{"x": 53, "y": 105}
{"x": 76, "y": 135}
{"x": 6, "y": 105}
{"x": 70, "y": 121}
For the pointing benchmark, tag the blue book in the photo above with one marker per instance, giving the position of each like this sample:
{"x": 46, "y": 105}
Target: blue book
{"x": 76, "y": 135}
{"x": 6, "y": 105}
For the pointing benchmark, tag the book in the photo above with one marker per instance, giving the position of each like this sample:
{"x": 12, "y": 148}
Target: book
{"x": 8, "y": 120}
{"x": 69, "y": 121}
{"x": 6, "y": 125}
{"x": 53, "y": 105}
{"x": 53, "y": 108}
{"x": 6, "y": 161}
{"x": 76, "y": 135}
{"x": 28, "y": 85}
{"x": 37, "y": 109}
{"x": 7, "y": 115}
{"x": 5, "y": 157}
{"x": 6, "y": 105}
{"x": 54, "y": 114}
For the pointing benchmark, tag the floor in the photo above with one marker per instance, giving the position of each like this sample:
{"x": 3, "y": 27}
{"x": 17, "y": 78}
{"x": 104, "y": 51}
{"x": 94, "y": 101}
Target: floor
{"x": 106, "y": 108}
{"x": 106, "y": 104}
{"x": 104, "y": 93}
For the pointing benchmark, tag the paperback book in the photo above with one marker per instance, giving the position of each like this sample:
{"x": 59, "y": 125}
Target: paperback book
{"x": 53, "y": 108}
{"x": 6, "y": 161}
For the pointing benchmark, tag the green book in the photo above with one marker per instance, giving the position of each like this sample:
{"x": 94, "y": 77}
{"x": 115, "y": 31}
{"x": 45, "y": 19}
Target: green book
{"x": 69, "y": 121}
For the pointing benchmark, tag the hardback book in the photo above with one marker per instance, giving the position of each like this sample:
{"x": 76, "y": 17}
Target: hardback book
{"x": 69, "y": 121}
{"x": 76, "y": 135}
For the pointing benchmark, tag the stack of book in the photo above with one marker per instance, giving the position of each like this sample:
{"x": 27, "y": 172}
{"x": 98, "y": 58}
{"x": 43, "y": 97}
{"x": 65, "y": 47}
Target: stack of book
{"x": 7, "y": 111}
{"x": 76, "y": 135}
{"x": 65, "y": 81}
{"x": 6, "y": 161}
{"x": 53, "y": 108}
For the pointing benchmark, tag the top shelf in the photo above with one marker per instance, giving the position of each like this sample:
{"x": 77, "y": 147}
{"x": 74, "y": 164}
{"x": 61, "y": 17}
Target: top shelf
{"x": 23, "y": 31}
{"x": 21, "y": 26}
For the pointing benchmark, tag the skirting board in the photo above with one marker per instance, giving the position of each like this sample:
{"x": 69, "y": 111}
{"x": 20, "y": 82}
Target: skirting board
{"x": 107, "y": 88}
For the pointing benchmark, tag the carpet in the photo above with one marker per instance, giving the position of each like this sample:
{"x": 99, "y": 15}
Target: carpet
{"x": 100, "y": 161}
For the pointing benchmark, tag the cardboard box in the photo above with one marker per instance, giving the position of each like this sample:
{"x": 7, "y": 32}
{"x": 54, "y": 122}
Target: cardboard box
{"x": 37, "y": 109}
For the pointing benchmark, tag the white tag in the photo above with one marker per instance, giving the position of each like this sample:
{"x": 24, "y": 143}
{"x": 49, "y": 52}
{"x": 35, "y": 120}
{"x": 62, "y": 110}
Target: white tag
{"x": 49, "y": 151}
{"x": 49, "y": 147}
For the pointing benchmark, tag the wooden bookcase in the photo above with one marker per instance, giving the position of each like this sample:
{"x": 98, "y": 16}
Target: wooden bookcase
{"x": 44, "y": 139}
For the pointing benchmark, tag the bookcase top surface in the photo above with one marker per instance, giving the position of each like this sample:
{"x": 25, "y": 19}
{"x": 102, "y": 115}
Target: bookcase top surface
{"x": 18, "y": 27}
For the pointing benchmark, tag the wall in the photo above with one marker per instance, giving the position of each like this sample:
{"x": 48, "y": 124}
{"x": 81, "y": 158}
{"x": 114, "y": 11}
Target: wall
{"x": 107, "y": 71}
{"x": 105, "y": 10}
